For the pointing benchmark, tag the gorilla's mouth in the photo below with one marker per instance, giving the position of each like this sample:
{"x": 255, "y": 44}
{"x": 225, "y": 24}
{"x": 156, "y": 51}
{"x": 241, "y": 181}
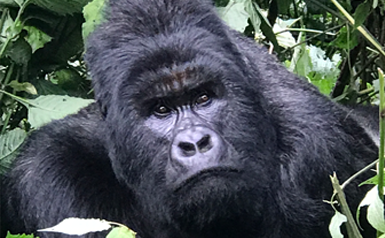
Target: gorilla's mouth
{"x": 218, "y": 172}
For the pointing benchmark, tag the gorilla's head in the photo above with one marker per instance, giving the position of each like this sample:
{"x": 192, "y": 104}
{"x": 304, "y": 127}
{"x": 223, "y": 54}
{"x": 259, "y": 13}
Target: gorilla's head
{"x": 184, "y": 129}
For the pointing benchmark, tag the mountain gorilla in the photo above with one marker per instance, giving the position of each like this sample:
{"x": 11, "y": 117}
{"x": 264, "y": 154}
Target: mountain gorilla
{"x": 197, "y": 133}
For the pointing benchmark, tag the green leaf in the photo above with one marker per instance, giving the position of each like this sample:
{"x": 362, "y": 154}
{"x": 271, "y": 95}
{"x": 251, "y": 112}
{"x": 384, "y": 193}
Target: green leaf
{"x": 62, "y": 7}
{"x": 46, "y": 87}
{"x": 255, "y": 17}
{"x": 19, "y": 51}
{"x": 9, "y": 235}
{"x": 301, "y": 62}
{"x": 284, "y": 38}
{"x": 335, "y": 225}
{"x": 9, "y": 143}
{"x": 375, "y": 213}
{"x": 261, "y": 23}
{"x": 121, "y": 232}
{"x": 67, "y": 79}
{"x": 52, "y": 107}
{"x": 324, "y": 71}
{"x": 325, "y": 86}
{"x": 36, "y": 38}
{"x": 234, "y": 14}
{"x": 372, "y": 181}
{"x": 362, "y": 12}
{"x": 346, "y": 39}
{"x": 93, "y": 14}
{"x": 23, "y": 87}
{"x": 7, "y": 28}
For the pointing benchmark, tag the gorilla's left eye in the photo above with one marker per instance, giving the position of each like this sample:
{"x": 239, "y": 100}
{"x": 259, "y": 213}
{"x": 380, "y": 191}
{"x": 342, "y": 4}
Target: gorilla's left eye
{"x": 203, "y": 99}
{"x": 162, "y": 110}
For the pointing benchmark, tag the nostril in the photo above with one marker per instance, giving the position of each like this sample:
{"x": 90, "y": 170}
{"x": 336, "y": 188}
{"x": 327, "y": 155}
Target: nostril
{"x": 204, "y": 144}
{"x": 188, "y": 149}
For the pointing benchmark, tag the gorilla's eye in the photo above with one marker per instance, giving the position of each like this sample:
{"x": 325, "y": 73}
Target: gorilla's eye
{"x": 162, "y": 110}
{"x": 203, "y": 99}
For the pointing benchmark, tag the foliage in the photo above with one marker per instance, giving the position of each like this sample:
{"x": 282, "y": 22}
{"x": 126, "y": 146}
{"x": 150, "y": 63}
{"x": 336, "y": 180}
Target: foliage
{"x": 9, "y": 235}
{"x": 41, "y": 71}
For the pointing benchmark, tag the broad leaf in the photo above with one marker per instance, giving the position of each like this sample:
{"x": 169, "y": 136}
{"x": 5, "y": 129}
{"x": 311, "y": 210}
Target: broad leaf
{"x": 78, "y": 226}
{"x": 9, "y": 143}
{"x": 234, "y": 14}
{"x": 50, "y": 107}
{"x": 93, "y": 14}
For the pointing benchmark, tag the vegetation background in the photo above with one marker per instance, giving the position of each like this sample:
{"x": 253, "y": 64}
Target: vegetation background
{"x": 43, "y": 76}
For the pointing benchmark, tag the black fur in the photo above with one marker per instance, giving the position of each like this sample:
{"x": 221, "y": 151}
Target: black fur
{"x": 106, "y": 162}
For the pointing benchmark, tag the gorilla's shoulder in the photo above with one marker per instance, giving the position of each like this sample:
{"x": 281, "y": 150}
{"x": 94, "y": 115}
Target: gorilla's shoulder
{"x": 75, "y": 134}
{"x": 88, "y": 117}
{"x": 86, "y": 122}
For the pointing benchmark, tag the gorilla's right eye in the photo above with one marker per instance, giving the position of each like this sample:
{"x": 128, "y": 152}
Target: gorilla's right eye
{"x": 162, "y": 110}
{"x": 203, "y": 99}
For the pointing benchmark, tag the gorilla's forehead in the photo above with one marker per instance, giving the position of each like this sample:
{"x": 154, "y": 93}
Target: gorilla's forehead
{"x": 167, "y": 64}
{"x": 177, "y": 80}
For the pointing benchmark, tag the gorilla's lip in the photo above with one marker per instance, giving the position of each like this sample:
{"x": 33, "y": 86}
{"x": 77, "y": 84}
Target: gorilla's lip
{"x": 211, "y": 172}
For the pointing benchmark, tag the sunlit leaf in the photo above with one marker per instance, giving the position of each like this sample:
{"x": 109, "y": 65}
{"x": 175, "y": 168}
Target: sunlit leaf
{"x": 93, "y": 14}
{"x": 78, "y": 226}
{"x": 335, "y": 225}
{"x": 121, "y": 232}
{"x": 23, "y": 87}
{"x": 36, "y": 38}
{"x": 52, "y": 107}
{"x": 375, "y": 213}
{"x": 234, "y": 14}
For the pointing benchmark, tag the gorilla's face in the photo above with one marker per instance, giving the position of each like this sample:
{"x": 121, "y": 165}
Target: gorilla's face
{"x": 191, "y": 137}
{"x": 185, "y": 117}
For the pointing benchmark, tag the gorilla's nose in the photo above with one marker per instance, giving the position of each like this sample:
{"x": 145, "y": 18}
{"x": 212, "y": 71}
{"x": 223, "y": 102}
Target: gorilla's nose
{"x": 189, "y": 147}
{"x": 196, "y": 144}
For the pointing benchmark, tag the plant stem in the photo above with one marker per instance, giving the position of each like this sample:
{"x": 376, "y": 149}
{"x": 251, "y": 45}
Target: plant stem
{"x": 380, "y": 169}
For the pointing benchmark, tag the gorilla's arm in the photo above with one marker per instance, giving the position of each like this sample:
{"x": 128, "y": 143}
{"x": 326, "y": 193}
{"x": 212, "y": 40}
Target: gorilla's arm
{"x": 64, "y": 166}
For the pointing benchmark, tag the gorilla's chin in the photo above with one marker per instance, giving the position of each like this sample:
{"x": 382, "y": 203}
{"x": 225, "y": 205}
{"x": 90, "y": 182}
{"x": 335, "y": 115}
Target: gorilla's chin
{"x": 217, "y": 199}
{"x": 217, "y": 189}
{"x": 211, "y": 176}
